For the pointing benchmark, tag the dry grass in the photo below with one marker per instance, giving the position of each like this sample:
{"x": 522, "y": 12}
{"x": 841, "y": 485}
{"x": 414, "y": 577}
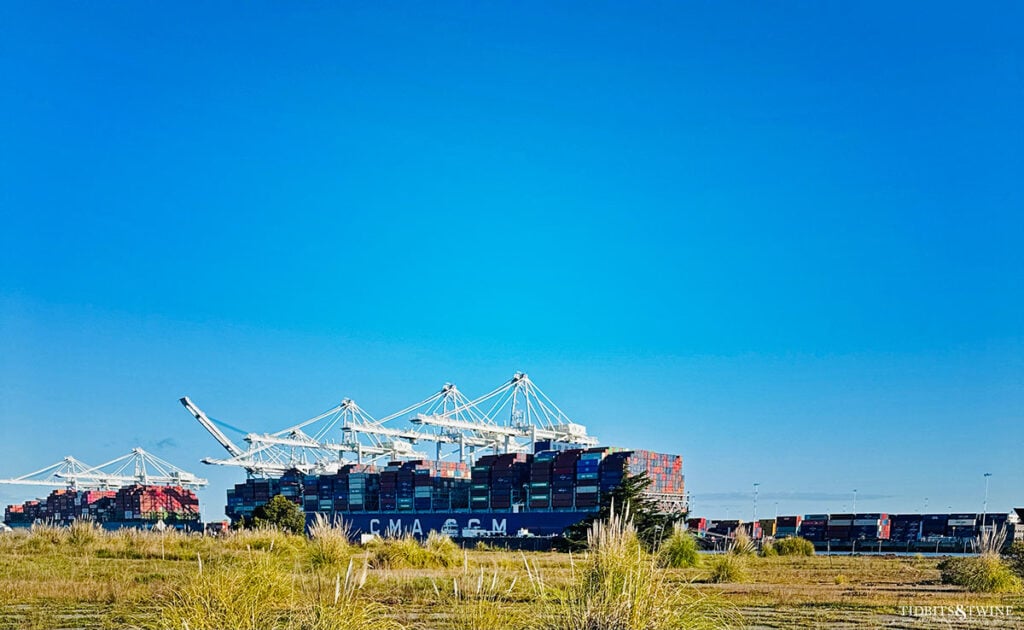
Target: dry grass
{"x": 436, "y": 551}
{"x": 134, "y": 579}
{"x": 329, "y": 543}
{"x": 679, "y": 550}
{"x": 618, "y": 585}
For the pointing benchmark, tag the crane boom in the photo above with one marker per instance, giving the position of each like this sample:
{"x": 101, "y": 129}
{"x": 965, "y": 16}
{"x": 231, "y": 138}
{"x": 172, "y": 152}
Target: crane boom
{"x": 211, "y": 427}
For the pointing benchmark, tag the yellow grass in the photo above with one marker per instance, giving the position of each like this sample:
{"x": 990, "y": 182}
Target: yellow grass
{"x": 50, "y": 578}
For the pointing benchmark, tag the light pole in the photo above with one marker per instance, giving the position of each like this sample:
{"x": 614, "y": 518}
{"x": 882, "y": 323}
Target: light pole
{"x": 776, "y": 510}
{"x": 855, "y": 502}
{"x": 755, "y": 505}
{"x": 984, "y": 506}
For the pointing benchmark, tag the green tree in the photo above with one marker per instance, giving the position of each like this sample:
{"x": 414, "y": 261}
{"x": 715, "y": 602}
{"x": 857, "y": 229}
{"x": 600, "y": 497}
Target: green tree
{"x": 652, "y": 525}
{"x": 281, "y": 513}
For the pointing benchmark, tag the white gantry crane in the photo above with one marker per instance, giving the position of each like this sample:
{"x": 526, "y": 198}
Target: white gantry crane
{"x": 136, "y": 467}
{"x": 447, "y": 418}
{"x": 58, "y": 475}
{"x": 529, "y": 415}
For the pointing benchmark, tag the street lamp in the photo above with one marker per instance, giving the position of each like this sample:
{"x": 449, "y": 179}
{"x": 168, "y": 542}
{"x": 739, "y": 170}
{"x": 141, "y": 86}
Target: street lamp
{"x": 855, "y": 501}
{"x": 755, "y": 504}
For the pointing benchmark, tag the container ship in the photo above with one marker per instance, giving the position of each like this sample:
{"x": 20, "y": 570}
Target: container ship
{"x": 136, "y": 506}
{"x": 512, "y": 494}
{"x": 509, "y": 463}
{"x": 137, "y": 490}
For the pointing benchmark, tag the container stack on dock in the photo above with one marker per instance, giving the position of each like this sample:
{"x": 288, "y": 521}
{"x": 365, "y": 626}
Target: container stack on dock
{"x": 814, "y": 527}
{"x": 697, "y": 526}
{"x": 724, "y": 528}
{"x": 787, "y": 526}
{"x": 839, "y": 527}
{"x": 962, "y": 525}
{"x": 956, "y": 533}
{"x": 933, "y": 525}
{"x": 905, "y": 528}
{"x": 870, "y": 527}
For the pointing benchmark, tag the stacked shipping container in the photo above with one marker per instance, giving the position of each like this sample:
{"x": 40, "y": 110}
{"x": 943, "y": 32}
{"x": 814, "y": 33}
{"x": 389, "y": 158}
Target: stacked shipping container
{"x": 564, "y": 480}
{"x": 540, "y": 480}
{"x": 131, "y": 504}
{"x": 787, "y": 526}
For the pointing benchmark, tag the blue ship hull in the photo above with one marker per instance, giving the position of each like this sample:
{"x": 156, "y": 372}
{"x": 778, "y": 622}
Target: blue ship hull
{"x": 420, "y": 524}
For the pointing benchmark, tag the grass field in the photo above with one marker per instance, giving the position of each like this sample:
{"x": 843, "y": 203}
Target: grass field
{"x": 86, "y": 579}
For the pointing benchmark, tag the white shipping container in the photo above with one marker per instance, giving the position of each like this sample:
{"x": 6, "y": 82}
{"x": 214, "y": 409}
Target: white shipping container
{"x": 962, "y": 522}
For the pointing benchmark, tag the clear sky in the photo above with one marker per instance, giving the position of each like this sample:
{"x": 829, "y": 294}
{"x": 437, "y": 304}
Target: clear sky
{"x": 782, "y": 239}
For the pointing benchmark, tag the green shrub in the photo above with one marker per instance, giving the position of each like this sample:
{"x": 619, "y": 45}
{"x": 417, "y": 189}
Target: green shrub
{"x": 1014, "y": 558}
{"x": 727, "y": 567}
{"x": 981, "y": 574}
{"x": 437, "y": 551}
{"x": 793, "y": 547}
{"x": 679, "y": 550}
{"x": 280, "y": 513}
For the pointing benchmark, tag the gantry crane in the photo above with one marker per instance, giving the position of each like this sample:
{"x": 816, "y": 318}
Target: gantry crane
{"x": 136, "y": 467}
{"x": 447, "y": 418}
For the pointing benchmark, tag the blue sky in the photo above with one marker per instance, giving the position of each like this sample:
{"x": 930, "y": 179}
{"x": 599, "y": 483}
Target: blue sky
{"x": 782, "y": 239}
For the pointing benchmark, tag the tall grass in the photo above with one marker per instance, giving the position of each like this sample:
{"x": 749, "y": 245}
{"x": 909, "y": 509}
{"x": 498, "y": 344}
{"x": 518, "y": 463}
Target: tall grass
{"x": 43, "y": 534}
{"x": 437, "y": 551}
{"x": 250, "y": 595}
{"x": 991, "y": 540}
{"x": 987, "y": 572}
{"x": 328, "y": 542}
{"x": 619, "y": 586}
{"x": 980, "y": 574}
{"x": 679, "y": 550}
{"x": 268, "y": 539}
{"x": 789, "y": 547}
{"x": 342, "y": 607}
{"x": 84, "y": 533}
{"x": 481, "y": 602}
{"x": 742, "y": 545}
{"x": 727, "y": 567}
{"x": 1014, "y": 558}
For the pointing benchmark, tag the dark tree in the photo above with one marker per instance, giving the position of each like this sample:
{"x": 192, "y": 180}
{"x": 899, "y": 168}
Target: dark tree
{"x": 281, "y": 513}
{"x": 652, "y": 525}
